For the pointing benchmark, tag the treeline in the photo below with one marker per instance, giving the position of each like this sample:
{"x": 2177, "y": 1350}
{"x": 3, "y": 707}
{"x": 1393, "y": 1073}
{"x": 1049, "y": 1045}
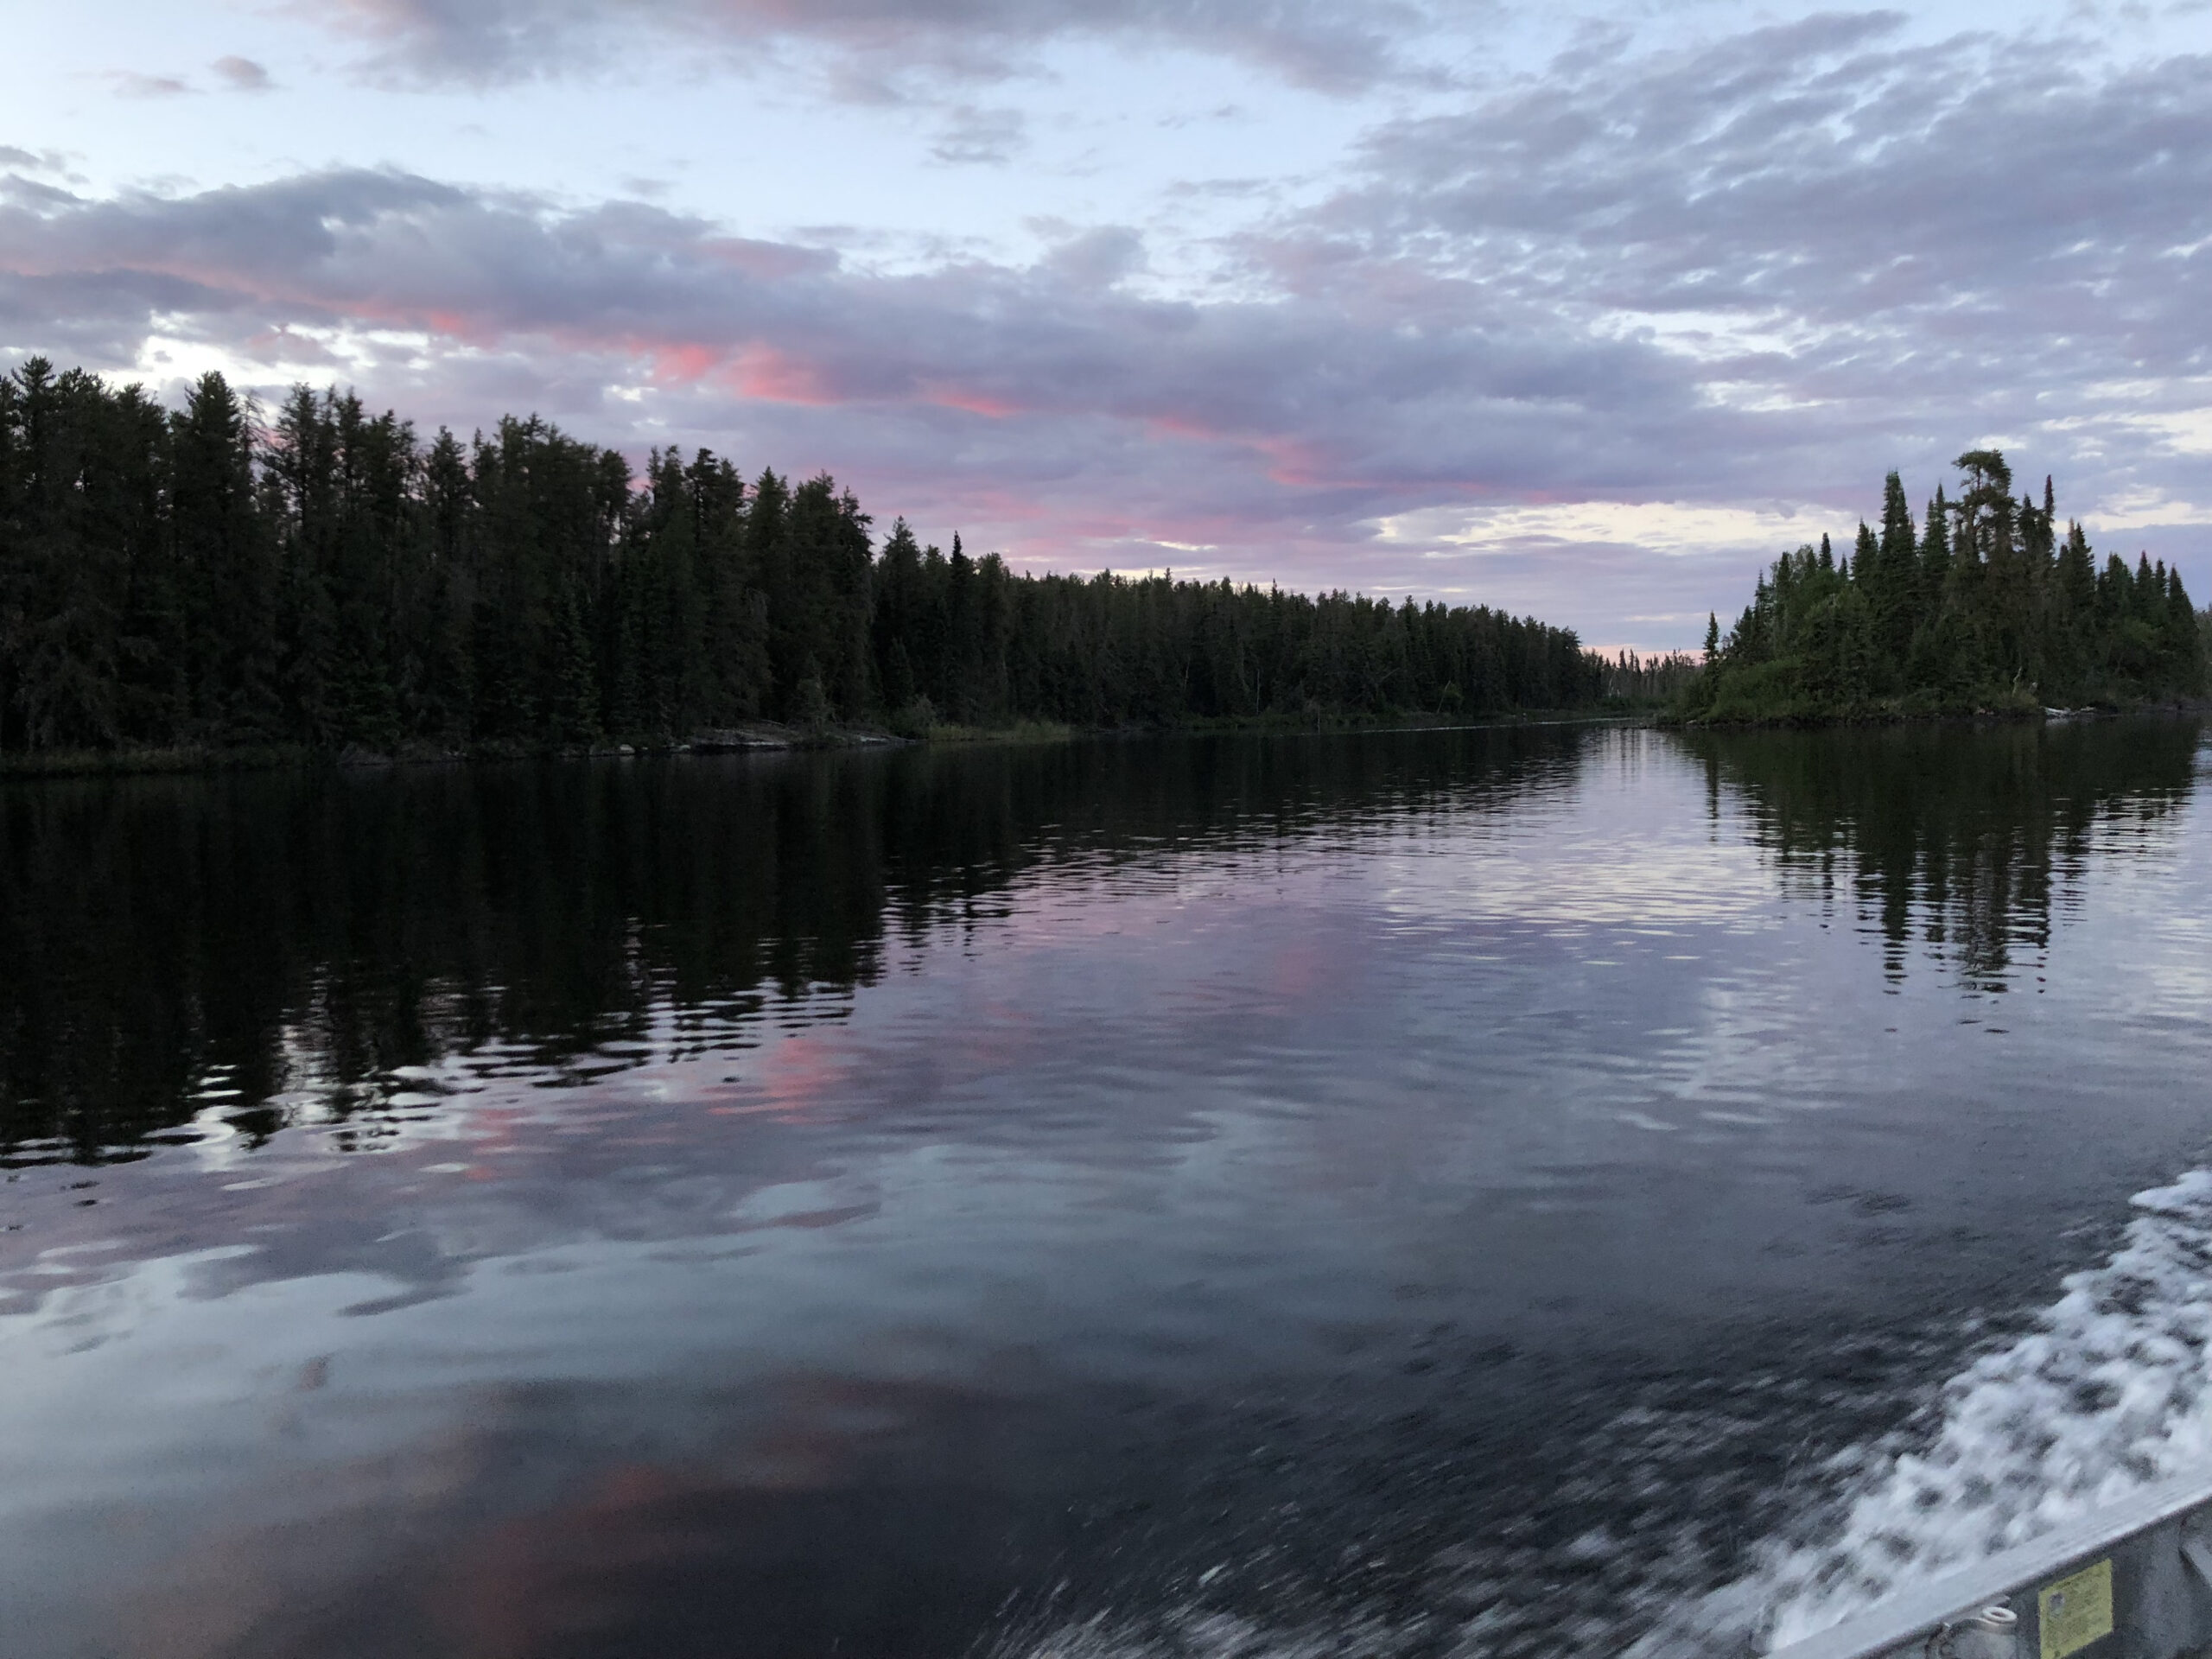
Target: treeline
{"x": 1629, "y": 678}
{"x": 1985, "y": 604}
{"x": 191, "y": 577}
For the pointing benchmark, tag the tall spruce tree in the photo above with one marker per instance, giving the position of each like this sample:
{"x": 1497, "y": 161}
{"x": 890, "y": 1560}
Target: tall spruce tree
{"x": 189, "y": 578}
{"x": 1991, "y": 610}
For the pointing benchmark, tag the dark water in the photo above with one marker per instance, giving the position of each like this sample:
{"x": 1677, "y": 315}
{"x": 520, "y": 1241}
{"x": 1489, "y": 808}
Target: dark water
{"x": 1455, "y": 1193}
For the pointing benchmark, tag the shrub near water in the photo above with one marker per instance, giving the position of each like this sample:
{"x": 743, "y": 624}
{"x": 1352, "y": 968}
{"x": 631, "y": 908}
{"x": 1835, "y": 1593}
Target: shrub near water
{"x": 1984, "y": 609}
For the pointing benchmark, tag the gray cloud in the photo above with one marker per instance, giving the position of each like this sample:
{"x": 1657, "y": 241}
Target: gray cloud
{"x": 1099, "y": 258}
{"x": 1941, "y": 225}
{"x": 1317, "y": 43}
{"x": 1761, "y": 272}
{"x": 973, "y": 136}
{"x": 1111, "y": 414}
{"x": 1898, "y": 251}
{"x": 130, "y": 84}
{"x": 242, "y": 74}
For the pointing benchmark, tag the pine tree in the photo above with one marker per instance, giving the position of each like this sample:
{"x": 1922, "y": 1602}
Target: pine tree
{"x": 188, "y": 578}
{"x": 1894, "y": 593}
{"x": 227, "y": 569}
{"x": 1995, "y": 609}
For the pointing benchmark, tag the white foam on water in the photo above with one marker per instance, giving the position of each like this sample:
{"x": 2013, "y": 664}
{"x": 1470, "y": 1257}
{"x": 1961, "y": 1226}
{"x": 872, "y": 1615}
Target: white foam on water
{"x": 2109, "y": 1391}
{"x": 1194, "y": 1634}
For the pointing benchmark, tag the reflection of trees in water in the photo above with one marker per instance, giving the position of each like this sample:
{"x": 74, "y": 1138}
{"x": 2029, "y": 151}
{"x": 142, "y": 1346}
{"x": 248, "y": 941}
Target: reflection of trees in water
{"x": 1964, "y": 838}
{"x": 273, "y": 946}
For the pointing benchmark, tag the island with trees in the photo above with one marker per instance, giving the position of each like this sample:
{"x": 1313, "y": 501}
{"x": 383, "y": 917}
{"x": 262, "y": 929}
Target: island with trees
{"x": 1985, "y": 606}
{"x": 195, "y": 581}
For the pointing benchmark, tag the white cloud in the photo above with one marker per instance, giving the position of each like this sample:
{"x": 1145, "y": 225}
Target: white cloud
{"x": 1668, "y": 527}
{"x": 1592, "y": 334}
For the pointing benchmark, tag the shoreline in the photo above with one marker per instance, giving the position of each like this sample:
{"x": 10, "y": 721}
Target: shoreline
{"x": 753, "y": 738}
{"x": 768, "y": 737}
{"x": 1977, "y": 716}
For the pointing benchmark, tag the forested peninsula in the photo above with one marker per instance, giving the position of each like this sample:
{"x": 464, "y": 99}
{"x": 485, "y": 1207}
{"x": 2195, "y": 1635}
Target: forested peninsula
{"x": 197, "y": 580}
{"x": 1984, "y": 607}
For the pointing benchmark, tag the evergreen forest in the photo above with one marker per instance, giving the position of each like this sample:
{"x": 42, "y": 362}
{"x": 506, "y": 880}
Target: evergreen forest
{"x": 199, "y": 578}
{"x": 1984, "y": 604}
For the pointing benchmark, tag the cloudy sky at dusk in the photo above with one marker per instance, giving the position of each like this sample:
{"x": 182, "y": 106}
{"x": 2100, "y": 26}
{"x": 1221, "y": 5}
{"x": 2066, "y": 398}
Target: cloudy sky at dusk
{"x": 1584, "y": 312}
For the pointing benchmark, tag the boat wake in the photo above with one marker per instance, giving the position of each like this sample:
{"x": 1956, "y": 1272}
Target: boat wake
{"x": 2107, "y": 1389}
{"x": 2110, "y": 1391}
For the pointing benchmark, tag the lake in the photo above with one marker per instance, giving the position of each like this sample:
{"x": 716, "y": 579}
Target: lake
{"x": 1509, "y": 1191}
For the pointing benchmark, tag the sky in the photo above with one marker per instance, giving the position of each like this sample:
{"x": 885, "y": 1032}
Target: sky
{"x": 1583, "y": 312}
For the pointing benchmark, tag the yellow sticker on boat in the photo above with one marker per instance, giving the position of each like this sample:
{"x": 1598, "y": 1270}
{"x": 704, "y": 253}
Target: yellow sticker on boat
{"x": 2076, "y": 1611}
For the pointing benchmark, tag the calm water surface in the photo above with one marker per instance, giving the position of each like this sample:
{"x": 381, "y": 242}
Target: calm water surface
{"x": 1477, "y": 1192}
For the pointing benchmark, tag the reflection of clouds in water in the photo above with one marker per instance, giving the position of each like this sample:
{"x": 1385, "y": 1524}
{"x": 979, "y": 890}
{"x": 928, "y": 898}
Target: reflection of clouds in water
{"x": 774, "y": 887}
{"x": 1458, "y": 947}
{"x": 1328, "y": 1136}
{"x": 898, "y": 1277}
{"x": 267, "y": 955}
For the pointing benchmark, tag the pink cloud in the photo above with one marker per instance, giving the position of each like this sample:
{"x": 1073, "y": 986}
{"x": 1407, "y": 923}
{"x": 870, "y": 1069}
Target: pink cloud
{"x": 682, "y": 364}
{"x": 1421, "y": 344}
{"x": 780, "y": 377}
{"x": 972, "y": 402}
